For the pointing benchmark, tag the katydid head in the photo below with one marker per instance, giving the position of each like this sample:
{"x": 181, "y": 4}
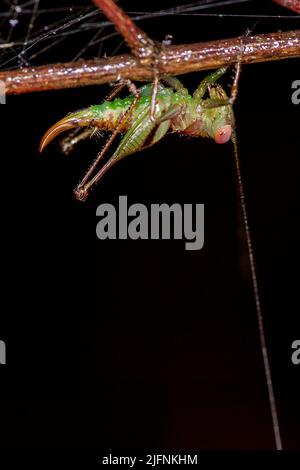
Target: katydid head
{"x": 218, "y": 118}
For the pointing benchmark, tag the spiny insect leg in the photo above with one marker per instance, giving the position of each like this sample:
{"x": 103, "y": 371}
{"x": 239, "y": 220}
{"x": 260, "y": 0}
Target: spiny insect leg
{"x": 235, "y": 83}
{"x": 81, "y": 191}
{"x": 237, "y": 74}
{"x": 170, "y": 113}
{"x": 153, "y": 97}
{"x": 209, "y": 80}
{"x": 115, "y": 91}
{"x": 160, "y": 132}
{"x": 133, "y": 138}
{"x": 73, "y": 138}
{"x": 175, "y": 83}
{"x": 216, "y": 103}
{"x": 156, "y": 62}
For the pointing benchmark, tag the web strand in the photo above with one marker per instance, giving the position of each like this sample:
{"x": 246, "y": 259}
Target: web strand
{"x": 260, "y": 320}
{"x": 28, "y": 29}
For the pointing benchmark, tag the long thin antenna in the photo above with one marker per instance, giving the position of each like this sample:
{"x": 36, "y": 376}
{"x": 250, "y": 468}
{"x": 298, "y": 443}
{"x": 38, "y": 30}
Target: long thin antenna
{"x": 261, "y": 327}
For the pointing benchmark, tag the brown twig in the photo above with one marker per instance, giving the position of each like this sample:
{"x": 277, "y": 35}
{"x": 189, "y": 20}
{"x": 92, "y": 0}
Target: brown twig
{"x": 293, "y": 5}
{"x": 175, "y": 60}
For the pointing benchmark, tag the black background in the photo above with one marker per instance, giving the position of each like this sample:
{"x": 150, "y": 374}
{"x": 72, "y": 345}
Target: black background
{"x": 141, "y": 344}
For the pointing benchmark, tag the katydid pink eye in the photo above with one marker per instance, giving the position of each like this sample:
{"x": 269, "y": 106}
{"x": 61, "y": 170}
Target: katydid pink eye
{"x": 223, "y": 134}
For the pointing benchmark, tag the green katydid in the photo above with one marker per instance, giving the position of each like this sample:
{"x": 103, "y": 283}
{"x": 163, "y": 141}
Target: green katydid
{"x": 175, "y": 111}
